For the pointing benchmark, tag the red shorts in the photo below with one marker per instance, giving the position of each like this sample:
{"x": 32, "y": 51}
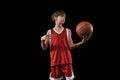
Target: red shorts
{"x": 61, "y": 70}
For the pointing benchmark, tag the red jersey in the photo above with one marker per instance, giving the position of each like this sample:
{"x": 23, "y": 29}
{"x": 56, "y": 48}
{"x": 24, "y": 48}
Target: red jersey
{"x": 59, "y": 48}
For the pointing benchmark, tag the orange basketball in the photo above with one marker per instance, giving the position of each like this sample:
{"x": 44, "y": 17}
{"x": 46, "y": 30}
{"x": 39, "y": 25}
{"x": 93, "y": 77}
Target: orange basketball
{"x": 84, "y": 28}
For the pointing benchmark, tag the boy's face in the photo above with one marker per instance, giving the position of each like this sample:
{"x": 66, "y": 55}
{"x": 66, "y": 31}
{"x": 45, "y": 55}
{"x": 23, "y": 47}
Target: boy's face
{"x": 60, "y": 19}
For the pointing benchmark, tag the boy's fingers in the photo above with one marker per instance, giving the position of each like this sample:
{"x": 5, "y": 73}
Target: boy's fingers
{"x": 49, "y": 36}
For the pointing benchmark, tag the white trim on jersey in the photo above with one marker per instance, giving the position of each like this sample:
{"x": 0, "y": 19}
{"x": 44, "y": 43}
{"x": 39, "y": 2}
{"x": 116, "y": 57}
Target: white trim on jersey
{"x": 67, "y": 33}
{"x": 49, "y": 32}
{"x": 57, "y": 31}
{"x": 50, "y": 36}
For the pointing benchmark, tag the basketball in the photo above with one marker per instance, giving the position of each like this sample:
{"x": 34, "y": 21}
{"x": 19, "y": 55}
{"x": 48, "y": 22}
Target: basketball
{"x": 84, "y": 29}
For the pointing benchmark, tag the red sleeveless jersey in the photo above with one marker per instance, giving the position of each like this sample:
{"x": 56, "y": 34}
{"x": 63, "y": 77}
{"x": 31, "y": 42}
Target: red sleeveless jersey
{"x": 59, "y": 48}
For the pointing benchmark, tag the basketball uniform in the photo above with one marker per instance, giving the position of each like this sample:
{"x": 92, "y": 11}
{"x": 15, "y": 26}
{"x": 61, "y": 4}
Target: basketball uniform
{"x": 60, "y": 55}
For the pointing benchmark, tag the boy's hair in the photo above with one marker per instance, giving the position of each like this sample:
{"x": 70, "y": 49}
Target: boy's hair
{"x": 58, "y": 13}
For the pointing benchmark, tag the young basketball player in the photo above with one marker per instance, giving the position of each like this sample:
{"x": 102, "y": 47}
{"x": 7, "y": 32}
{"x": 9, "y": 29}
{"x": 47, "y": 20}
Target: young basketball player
{"x": 60, "y": 40}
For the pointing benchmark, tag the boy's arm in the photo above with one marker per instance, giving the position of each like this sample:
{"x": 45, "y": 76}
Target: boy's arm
{"x": 70, "y": 41}
{"x": 45, "y": 41}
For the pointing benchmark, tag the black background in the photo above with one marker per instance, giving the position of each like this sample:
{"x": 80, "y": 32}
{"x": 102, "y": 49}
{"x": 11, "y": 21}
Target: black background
{"x": 84, "y": 57}
{"x": 33, "y": 19}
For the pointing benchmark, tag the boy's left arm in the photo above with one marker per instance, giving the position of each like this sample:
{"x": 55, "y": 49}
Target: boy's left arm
{"x": 71, "y": 43}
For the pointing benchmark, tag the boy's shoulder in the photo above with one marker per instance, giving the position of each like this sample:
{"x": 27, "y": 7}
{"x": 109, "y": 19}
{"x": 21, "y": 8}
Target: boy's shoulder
{"x": 68, "y": 29}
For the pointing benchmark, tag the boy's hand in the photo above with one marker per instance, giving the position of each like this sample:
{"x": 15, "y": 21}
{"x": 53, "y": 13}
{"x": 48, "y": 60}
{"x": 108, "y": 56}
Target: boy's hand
{"x": 45, "y": 37}
{"x": 85, "y": 38}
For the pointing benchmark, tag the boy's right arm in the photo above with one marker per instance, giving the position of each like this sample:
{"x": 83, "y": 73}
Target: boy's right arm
{"x": 45, "y": 41}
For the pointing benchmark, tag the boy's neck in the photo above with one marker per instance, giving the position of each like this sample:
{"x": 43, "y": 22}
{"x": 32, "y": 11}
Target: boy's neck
{"x": 57, "y": 26}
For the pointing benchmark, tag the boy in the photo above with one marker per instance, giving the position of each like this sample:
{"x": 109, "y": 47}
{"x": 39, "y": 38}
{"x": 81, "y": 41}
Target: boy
{"x": 60, "y": 41}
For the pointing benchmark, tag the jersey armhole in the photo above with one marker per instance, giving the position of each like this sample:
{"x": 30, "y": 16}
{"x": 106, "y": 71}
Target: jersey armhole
{"x": 67, "y": 32}
{"x": 49, "y": 32}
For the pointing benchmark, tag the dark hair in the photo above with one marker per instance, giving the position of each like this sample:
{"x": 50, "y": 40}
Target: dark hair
{"x": 58, "y": 13}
